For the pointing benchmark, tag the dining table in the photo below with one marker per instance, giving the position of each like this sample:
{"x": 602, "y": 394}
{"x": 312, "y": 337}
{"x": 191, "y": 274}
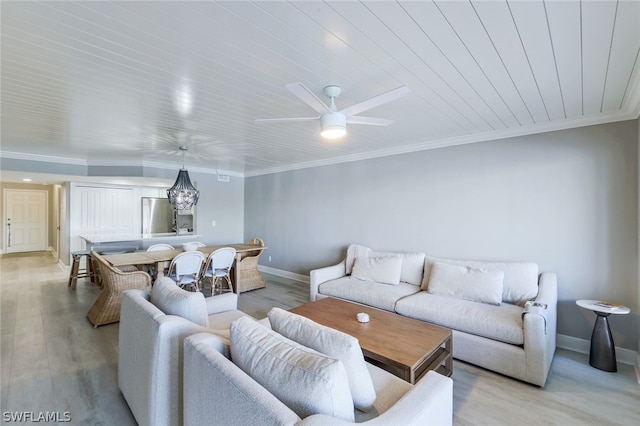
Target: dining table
{"x": 161, "y": 260}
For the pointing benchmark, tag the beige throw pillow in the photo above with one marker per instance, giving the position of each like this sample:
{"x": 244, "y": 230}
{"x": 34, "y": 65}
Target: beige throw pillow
{"x": 304, "y": 380}
{"x": 412, "y": 265}
{"x": 465, "y": 282}
{"x": 386, "y": 270}
{"x": 333, "y": 343}
{"x": 520, "y": 282}
{"x": 172, "y": 300}
{"x": 353, "y": 251}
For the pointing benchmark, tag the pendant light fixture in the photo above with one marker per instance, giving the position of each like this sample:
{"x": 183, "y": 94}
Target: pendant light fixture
{"x": 183, "y": 195}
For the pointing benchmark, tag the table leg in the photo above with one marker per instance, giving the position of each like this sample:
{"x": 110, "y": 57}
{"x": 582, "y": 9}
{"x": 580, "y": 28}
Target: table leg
{"x": 236, "y": 273}
{"x": 160, "y": 266}
{"x": 603, "y": 352}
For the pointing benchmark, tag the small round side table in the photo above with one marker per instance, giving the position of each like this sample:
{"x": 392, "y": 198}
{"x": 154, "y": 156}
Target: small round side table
{"x": 603, "y": 352}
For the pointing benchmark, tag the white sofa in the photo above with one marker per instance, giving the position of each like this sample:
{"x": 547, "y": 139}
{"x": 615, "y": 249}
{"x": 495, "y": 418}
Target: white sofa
{"x": 153, "y": 327}
{"x": 502, "y": 314}
{"x": 219, "y": 391}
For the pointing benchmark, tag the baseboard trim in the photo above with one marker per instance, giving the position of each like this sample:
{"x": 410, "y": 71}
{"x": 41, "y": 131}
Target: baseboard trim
{"x": 284, "y": 274}
{"x": 582, "y": 346}
{"x": 637, "y": 368}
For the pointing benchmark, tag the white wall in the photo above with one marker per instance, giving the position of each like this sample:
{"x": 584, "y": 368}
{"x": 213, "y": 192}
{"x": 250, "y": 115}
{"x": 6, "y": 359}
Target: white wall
{"x": 566, "y": 200}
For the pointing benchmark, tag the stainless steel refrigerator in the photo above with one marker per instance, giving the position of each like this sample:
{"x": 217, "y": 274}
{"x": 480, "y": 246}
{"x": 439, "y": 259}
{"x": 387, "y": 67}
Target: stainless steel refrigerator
{"x": 158, "y": 216}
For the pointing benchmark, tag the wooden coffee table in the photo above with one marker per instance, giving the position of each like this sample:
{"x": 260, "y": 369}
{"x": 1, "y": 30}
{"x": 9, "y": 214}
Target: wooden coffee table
{"x": 403, "y": 346}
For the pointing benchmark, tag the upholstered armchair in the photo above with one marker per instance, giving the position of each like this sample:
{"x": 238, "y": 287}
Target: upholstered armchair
{"x": 152, "y": 329}
{"x": 217, "y": 391}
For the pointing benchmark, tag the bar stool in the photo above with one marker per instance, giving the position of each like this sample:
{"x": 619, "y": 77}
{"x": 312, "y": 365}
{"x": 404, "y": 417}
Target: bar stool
{"x": 87, "y": 272}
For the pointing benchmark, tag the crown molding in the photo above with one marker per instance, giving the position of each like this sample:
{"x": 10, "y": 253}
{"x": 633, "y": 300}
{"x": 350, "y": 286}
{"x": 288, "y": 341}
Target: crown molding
{"x": 112, "y": 163}
{"x": 631, "y": 112}
{"x": 553, "y": 126}
{"x": 631, "y": 102}
{"x": 42, "y": 158}
{"x": 161, "y": 165}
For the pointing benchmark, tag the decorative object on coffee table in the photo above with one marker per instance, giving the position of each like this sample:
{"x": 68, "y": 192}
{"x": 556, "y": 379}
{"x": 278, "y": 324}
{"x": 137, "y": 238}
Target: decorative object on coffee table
{"x": 603, "y": 352}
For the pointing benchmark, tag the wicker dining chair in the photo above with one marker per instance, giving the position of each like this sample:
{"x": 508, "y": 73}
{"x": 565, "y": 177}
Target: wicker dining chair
{"x": 106, "y": 308}
{"x": 248, "y": 276}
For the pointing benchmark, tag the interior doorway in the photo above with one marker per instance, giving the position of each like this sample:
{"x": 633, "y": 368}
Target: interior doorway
{"x": 25, "y": 219}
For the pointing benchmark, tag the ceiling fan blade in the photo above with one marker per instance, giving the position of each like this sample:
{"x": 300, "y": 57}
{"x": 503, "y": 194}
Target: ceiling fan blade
{"x": 308, "y": 97}
{"x": 389, "y": 96}
{"x": 357, "y": 119}
{"x": 261, "y": 120}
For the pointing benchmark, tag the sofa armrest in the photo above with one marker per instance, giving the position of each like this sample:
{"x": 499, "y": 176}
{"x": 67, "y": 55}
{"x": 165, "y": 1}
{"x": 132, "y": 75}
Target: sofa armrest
{"x": 548, "y": 289}
{"x": 150, "y": 359}
{"x": 221, "y": 303}
{"x": 320, "y": 275}
{"x": 429, "y": 402}
{"x": 540, "y": 330}
{"x": 216, "y": 391}
{"x": 545, "y": 304}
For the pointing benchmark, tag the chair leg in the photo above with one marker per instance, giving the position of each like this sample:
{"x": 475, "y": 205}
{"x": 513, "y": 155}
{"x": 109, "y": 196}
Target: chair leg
{"x": 92, "y": 268}
{"x": 226, "y": 277}
{"x": 217, "y": 286}
{"x": 73, "y": 275}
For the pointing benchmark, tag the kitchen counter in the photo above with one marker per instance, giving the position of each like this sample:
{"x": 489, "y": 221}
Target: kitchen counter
{"x": 111, "y": 243}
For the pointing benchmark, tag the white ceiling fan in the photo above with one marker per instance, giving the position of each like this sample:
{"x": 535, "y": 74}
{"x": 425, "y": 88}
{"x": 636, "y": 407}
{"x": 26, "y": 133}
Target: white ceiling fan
{"x": 333, "y": 122}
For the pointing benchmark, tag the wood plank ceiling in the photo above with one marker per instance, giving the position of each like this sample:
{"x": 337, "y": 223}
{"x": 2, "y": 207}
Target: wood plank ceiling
{"x": 106, "y": 82}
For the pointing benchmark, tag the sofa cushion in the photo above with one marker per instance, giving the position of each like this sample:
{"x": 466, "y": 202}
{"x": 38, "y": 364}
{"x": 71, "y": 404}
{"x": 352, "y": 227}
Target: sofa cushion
{"x": 172, "y": 300}
{"x": 520, "y": 282}
{"x": 412, "y": 265}
{"x": 502, "y": 323}
{"x": 389, "y": 388}
{"x": 353, "y": 251}
{"x": 385, "y": 270}
{"x": 465, "y": 282}
{"x": 367, "y": 292}
{"x": 307, "y": 381}
{"x": 332, "y": 343}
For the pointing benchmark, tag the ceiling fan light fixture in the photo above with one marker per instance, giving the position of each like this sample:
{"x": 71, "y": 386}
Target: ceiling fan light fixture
{"x": 333, "y": 125}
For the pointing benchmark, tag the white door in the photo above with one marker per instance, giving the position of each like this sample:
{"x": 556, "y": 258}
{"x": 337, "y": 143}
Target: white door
{"x": 25, "y": 220}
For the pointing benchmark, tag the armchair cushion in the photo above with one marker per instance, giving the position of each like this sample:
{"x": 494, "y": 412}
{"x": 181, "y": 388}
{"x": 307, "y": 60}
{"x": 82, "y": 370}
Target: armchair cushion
{"x": 332, "y": 343}
{"x": 306, "y": 381}
{"x": 172, "y": 300}
{"x": 221, "y": 302}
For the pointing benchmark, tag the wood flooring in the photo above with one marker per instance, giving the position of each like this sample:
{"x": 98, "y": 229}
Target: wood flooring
{"x": 53, "y": 360}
